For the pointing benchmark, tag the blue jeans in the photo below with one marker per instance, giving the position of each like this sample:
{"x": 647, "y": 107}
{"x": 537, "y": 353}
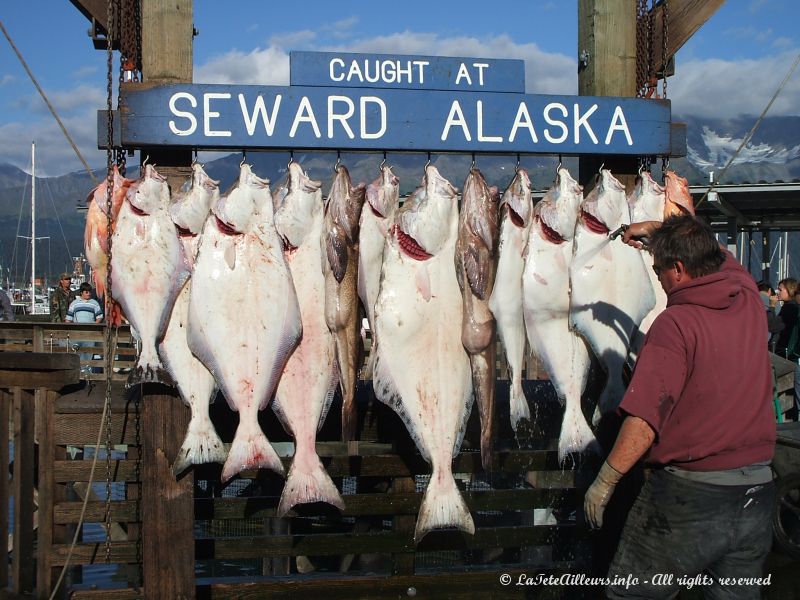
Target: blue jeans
{"x": 686, "y": 528}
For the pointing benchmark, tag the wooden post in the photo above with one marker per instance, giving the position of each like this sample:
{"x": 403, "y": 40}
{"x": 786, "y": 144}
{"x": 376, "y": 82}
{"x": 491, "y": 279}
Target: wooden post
{"x": 22, "y": 573}
{"x": 49, "y": 495}
{"x": 167, "y": 504}
{"x": 607, "y": 67}
{"x": 5, "y": 402}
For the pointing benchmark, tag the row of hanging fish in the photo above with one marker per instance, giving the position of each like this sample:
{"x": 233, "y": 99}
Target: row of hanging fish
{"x": 257, "y": 294}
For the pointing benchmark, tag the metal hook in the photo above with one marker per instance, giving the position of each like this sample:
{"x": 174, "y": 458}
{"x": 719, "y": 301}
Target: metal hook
{"x": 472, "y": 166}
{"x": 641, "y": 169}
{"x": 427, "y": 164}
{"x": 194, "y": 160}
{"x": 383, "y": 162}
{"x": 244, "y": 158}
{"x": 291, "y": 159}
{"x": 600, "y": 170}
{"x": 338, "y": 162}
{"x": 558, "y": 168}
{"x": 516, "y": 169}
{"x": 146, "y": 158}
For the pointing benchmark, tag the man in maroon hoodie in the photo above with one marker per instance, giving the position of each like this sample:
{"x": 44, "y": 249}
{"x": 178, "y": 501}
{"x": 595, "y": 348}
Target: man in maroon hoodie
{"x": 698, "y": 409}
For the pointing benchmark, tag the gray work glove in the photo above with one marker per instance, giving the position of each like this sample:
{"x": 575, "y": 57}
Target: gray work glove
{"x": 599, "y": 493}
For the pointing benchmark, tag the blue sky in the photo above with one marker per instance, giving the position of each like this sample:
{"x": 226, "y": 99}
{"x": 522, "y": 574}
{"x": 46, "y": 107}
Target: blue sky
{"x": 731, "y": 66}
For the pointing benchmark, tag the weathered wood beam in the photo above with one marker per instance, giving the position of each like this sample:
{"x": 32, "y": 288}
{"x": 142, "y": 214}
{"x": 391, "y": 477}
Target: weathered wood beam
{"x": 684, "y": 18}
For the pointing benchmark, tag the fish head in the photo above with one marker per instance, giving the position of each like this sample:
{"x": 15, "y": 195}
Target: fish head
{"x": 99, "y": 195}
{"x": 150, "y": 193}
{"x": 297, "y": 209}
{"x": 192, "y": 204}
{"x": 556, "y": 213}
{"x": 383, "y": 194}
{"x": 242, "y": 208}
{"x": 606, "y": 206}
{"x": 678, "y": 197}
{"x": 646, "y": 202}
{"x": 345, "y": 203}
{"x": 480, "y": 209}
{"x": 517, "y": 200}
{"x": 429, "y": 218}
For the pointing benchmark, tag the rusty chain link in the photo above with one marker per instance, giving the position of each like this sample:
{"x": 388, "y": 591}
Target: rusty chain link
{"x": 664, "y": 38}
{"x": 641, "y": 47}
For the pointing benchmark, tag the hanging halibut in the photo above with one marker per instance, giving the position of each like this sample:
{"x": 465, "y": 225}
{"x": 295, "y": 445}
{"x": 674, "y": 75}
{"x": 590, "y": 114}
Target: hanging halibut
{"x": 678, "y": 199}
{"x": 476, "y": 265}
{"x": 647, "y": 203}
{"x": 506, "y": 299}
{"x": 342, "y": 313}
{"x": 95, "y": 237}
{"x": 194, "y": 381}
{"x": 148, "y": 269}
{"x": 611, "y": 292}
{"x": 308, "y": 382}
{"x": 244, "y": 320}
{"x": 422, "y": 370}
{"x": 382, "y": 196}
{"x": 545, "y": 292}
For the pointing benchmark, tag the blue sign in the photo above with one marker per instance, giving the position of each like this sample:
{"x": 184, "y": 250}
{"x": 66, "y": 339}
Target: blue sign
{"x": 406, "y": 72}
{"x": 304, "y": 117}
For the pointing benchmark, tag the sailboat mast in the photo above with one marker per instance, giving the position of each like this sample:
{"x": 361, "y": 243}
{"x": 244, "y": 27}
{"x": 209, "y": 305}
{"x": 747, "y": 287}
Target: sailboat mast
{"x": 33, "y": 227}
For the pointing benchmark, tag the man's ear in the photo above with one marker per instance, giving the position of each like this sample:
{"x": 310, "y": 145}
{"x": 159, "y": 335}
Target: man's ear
{"x": 680, "y": 271}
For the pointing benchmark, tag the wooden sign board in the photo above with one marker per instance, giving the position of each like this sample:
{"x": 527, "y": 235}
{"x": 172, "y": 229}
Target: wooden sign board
{"x": 304, "y": 117}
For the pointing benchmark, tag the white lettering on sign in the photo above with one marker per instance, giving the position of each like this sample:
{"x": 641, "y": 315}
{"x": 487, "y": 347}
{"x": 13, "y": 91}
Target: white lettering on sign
{"x": 209, "y": 114}
{"x": 342, "y": 118}
{"x": 463, "y": 73}
{"x": 456, "y": 117}
{"x": 618, "y": 123}
{"x": 366, "y": 135}
{"x": 304, "y": 114}
{"x": 480, "y": 67}
{"x": 481, "y": 137}
{"x": 560, "y": 124}
{"x": 583, "y": 121}
{"x": 523, "y": 119}
{"x": 375, "y": 70}
{"x": 260, "y": 113}
{"x": 182, "y": 113}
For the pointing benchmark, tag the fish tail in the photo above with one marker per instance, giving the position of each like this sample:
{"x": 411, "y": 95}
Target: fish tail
{"x": 250, "y": 450}
{"x": 202, "y": 445}
{"x": 149, "y": 369}
{"x": 483, "y": 383}
{"x": 518, "y": 404}
{"x": 308, "y": 483}
{"x": 442, "y": 507}
{"x": 576, "y": 435}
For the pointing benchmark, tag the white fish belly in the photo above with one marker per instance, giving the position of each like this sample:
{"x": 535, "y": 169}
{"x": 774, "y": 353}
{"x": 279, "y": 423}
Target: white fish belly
{"x": 148, "y": 270}
{"x": 371, "y": 241}
{"x": 195, "y": 383}
{"x": 305, "y": 388}
{"x": 243, "y": 321}
{"x": 420, "y": 356}
{"x": 506, "y": 299}
{"x": 546, "y": 306}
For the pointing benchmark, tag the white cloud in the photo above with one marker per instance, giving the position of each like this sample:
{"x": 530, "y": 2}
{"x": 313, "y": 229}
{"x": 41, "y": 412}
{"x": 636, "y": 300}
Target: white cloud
{"x": 6, "y": 79}
{"x": 258, "y": 67}
{"x": 720, "y": 88}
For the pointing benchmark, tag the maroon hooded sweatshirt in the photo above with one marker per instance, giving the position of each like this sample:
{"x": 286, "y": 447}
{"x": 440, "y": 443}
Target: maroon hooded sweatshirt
{"x": 703, "y": 379}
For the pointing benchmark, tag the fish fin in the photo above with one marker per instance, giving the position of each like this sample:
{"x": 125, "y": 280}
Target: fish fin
{"x": 277, "y": 408}
{"x": 336, "y": 249}
{"x": 308, "y": 485}
{"x": 477, "y": 265}
{"x": 149, "y": 369}
{"x": 442, "y": 507}
{"x": 250, "y": 450}
{"x": 518, "y": 406}
{"x": 230, "y": 255}
{"x": 202, "y": 445}
{"x": 292, "y": 332}
{"x": 326, "y": 403}
{"x": 576, "y": 436}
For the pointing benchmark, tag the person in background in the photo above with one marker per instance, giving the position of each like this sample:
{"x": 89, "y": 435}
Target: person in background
{"x": 61, "y": 298}
{"x": 6, "y": 310}
{"x": 706, "y": 437}
{"x": 774, "y": 322}
{"x": 84, "y": 309}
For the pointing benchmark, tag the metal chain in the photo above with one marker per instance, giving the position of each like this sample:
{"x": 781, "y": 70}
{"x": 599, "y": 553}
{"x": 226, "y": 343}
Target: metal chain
{"x": 664, "y": 37}
{"x": 108, "y": 300}
{"x": 641, "y": 48}
{"x": 137, "y": 21}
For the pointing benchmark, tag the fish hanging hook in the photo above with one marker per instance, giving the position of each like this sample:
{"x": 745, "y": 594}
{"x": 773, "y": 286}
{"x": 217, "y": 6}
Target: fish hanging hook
{"x": 383, "y": 162}
{"x": 472, "y": 166}
{"x": 641, "y": 169}
{"x": 194, "y": 159}
{"x": 600, "y": 170}
{"x": 338, "y": 162}
{"x": 427, "y": 164}
{"x": 516, "y": 169}
{"x": 244, "y": 158}
{"x": 558, "y": 168}
{"x": 146, "y": 159}
{"x": 291, "y": 159}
